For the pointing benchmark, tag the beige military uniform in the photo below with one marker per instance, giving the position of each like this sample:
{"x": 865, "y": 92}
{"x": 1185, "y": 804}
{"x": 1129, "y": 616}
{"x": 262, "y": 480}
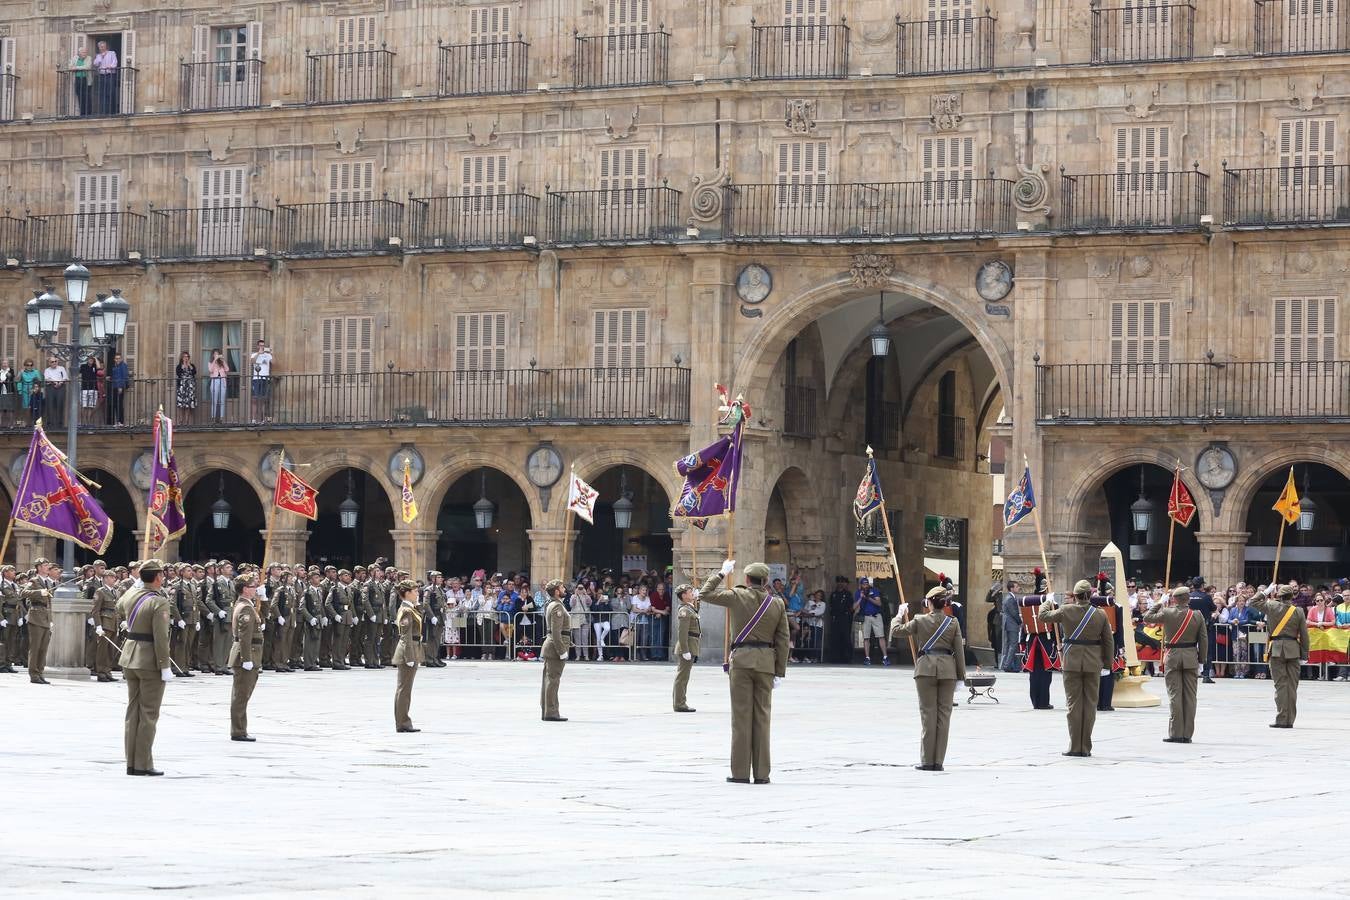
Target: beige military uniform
{"x": 104, "y": 614}
{"x": 1185, "y": 649}
{"x": 1287, "y": 647}
{"x": 11, "y": 610}
{"x": 557, "y": 645}
{"x": 38, "y": 598}
{"x": 759, "y": 657}
{"x": 941, "y": 664}
{"x": 1083, "y": 659}
{"x": 407, "y": 657}
{"x": 687, "y": 635}
{"x": 145, "y": 655}
{"x": 246, "y": 627}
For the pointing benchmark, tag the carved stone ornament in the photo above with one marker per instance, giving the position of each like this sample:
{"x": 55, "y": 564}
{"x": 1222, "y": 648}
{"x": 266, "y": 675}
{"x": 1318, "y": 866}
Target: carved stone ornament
{"x": 705, "y": 200}
{"x": 623, "y": 134}
{"x": 870, "y": 270}
{"x": 96, "y": 148}
{"x": 944, "y": 111}
{"x": 218, "y": 144}
{"x": 347, "y": 137}
{"x": 799, "y": 115}
{"x": 1145, "y": 109}
{"x": 1306, "y": 92}
{"x": 1141, "y": 266}
{"x": 480, "y": 134}
{"x": 1031, "y": 192}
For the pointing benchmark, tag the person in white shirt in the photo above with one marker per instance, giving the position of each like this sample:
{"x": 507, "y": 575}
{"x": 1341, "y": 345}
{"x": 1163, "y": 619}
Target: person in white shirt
{"x": 815, "y": 624}
{"x": 642, "y": 619}
{"x": 106, "y": 72}
{"x": 261, "y": 360}
{"x": 55, "y": 376}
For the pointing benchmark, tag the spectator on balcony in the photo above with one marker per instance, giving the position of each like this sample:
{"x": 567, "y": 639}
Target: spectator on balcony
{"x": 29, "y": 379}
{"x": 185, "y": 387}
{"x": 9, "y": 399}
{"x": 90, "y": 372}
{"x": 219, "y": 370}
{"x": 107, "y": 72}
{"x": 261, "y": 360}
{"x": 80, "y": 68}
{"x": 55, "y": 380}
{"x": 36, "y": 402}
{"x": 119, "y": 379}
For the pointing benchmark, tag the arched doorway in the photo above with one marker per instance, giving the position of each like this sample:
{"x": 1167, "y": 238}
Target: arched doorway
{"x": 360, "y": 536}
{"x": 1137, "y": 495}
{"x": 645, "y": 544}
{"x": 1315, "y": 548}
{"x": 503, "y": 545}
{"x": 116, "y": 501}
{"x": 242, "y": 515}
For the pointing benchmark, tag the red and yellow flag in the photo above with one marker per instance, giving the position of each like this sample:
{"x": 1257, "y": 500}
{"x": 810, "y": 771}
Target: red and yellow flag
{"x": 1180, "y": 504}
{"x": 1288, "y": 505}
{"x": 294, "y": 494}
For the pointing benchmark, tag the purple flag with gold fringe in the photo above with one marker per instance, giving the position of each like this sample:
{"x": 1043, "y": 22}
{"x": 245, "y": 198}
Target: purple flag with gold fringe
{"x": 710, "y": 479}
{"x": 165, "y": 501}
{"x": 52, "y": 498}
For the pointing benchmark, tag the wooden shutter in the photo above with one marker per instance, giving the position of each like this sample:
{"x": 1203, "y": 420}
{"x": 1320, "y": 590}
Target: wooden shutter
{"x": 7, "y": 51}
{"x": 1304, "y": 143}
{"x": 801, "y": 166}
{"x": 9, "y": 344}
{"x": 222, "y": 187}
{"x": 484, "y": 174}
{"x": 253, "y": 32}
{"x": 620, "y": 339}
{"x": 347, "y": 345}
{"x": 351, "y": 180}
{"x": 805, "y": 12}
{"x": 948, "y": 168}
{"x": 178, "y": 338}
{"x": 357, "y": 33}
{"x": 253, "y": 332}
{"x": 1304, "y": 329}
{"x": 201, "y": 43}
{"x": 97, "y": 192}
{"x": 489, "y": 24}
{"x": 480, "y": 342}
{"x": 131, "y": 344}
{"x": 1141, "y": 335}
{"x": 1144, "y": 152}
{"x": 128, "y": 55}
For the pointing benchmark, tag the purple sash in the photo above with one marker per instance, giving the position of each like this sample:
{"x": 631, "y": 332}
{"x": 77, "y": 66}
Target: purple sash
{"x": 754, "y": 620}
{"x": 131, "y": 619}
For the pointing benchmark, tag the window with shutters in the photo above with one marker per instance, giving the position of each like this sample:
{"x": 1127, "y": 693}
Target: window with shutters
{"x": 482, "y": 177}
{"x": 626, "y": 25}
{"x": 98, "y": 204}
{"x": 9, "y": 345}
{"x": 351, "y": 188}
{"x": 8, "y": 66}
{"x": 357, "y": 34}
{"x": 490, "y": 26}
{"x": 1141, "y": 337}
{"x": 221, "y": 197}
{"x": 947, "y": 18}
{"x": 803, "y": 169}
{"x": 1143, "y": 157}
{"x": 623, "y": 173}
{"x": 178, "y": 340}
{"x": 480, "y": 345}
{"x": 948, "y": 168}
{"x": 1307, "y": 152}
{"x": 803, "y": 18}
{"x": 130, "y": 349}
{"x": 346, "y": 349}
{"x": 620, "y": 342}
{"x": 1304, "y": 333}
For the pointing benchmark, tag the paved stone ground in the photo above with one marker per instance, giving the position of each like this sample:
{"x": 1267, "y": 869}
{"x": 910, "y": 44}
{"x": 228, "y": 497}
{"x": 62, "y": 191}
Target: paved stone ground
{"x": 628, "y": 799}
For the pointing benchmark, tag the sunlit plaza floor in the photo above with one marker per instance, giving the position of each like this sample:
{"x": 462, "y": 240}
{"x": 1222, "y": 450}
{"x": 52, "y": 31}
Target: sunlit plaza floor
{"x": 628, "y": 799}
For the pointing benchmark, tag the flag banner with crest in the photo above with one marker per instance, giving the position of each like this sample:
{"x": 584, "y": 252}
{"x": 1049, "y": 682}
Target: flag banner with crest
{"x": 52, "y": 498}
{"x": 869, "y": 498}
{"x": 165, "y": 501}
{"x": 1020, "y": 502}
{"x": 294, "y": 494}
{"x": 581, "y": 499}
{"x": 1288, "y": 504}
{"x": 1180, "y": 504}
{"x": 710, "y": 478}
{"x": 409, "y": 501}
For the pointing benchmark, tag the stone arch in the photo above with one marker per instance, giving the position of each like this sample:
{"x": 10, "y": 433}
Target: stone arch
{"x": 595, "y": 462}
{"x": 207, "y": 462}
{"x": 325, "y": 467}
{"x": 119, "y": 467}
{"x": 1088, "y": 482}
{"x": 438, "y": 482}
{"x": 1241, "y": 492}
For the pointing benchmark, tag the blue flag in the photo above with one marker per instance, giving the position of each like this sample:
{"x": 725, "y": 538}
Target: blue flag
{"x": 1020, "y": 502}
{"x": 869, "y": 492}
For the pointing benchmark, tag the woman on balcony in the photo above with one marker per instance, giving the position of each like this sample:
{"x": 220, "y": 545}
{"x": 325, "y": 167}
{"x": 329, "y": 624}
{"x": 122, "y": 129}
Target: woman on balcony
{"x": 90, "y": 370}
{"x": 80, "y": 68}
{"x": 219, "y": 370}
{"x": 30, "y": 383}
{"x": 185, "y": 387}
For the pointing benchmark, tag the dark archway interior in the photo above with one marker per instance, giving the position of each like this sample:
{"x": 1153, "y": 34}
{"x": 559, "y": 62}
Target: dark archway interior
{"x": 1315, "y": 555}
{"x": 330, "y": 543}
{"x": 116, "y": 501}
{"x": 645, "y": 544}
{"x": 242, "y": 539}
{"x": 1146, "y": 553}
{"x": 463, "y": 547}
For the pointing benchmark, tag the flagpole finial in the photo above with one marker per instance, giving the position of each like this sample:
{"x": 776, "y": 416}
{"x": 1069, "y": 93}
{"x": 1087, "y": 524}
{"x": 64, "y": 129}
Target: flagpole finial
{"x": 869, "y": 451}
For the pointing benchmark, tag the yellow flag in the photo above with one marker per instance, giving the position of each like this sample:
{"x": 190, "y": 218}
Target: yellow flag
{"x": 409, "y": 503}
{"x": 1287, "y": 505}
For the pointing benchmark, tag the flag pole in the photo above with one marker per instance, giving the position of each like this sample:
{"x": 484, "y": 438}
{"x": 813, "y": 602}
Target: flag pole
{"x": 731, "y": 538}
{"x": 890, "y": 551}
{"x": 272, "y": 512}
{"x": 1040, "y": 538}
{"x": 154, "y": 449}
{"x": 1279, "y": 546}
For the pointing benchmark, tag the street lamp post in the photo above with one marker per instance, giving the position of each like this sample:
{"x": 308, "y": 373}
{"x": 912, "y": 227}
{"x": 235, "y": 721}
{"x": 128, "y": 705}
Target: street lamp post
{"x": 107, "y": 324}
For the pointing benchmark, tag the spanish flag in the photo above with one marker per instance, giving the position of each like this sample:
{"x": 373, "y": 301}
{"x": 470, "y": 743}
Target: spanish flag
{"x": 1287, "y": 506}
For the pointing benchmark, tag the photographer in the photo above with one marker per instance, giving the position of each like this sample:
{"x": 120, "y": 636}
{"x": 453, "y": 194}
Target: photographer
{"x": 261, "y": 360}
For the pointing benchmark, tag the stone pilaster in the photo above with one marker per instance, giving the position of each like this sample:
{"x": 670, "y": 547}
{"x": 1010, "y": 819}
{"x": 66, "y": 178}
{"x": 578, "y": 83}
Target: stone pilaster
{"x": 288, "y": 545}
{"x": 415, "y": 550}
{"x": 29, "y": 545}
{"x": 1222, "y": 555}
{"x": 546, "y": 553}
{"x": 1076, "y": 558}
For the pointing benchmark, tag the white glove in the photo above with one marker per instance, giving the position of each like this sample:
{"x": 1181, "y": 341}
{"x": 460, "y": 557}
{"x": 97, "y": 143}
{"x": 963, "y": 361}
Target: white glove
{"x": 21, "y": 621}
{"x": 248, "y": 665}
{"x": 1106, "y": 671}
{"x": 91, "y": 620}
{"x": 122, "y": 626}
{"x": 199, "y": 626}
{"x": 435, "y": 621}
{"x": 688, "y": 656}
{"x": 166, "y": 674}
{"x": 4, "y": 623}
{"x": 777, "y": 681}
{"x": 960, "y": 684}
{"x": 728, "y": 567}
{"x": 181, "y": 624}
{"x": 325, "y": 621}
{"x": 563, "y": 656}
{"x": 98, "y": 630}
{"x": 280, "y": 620}
{"x": 411, "y": 663}
{"x": 262, "y": 626}
{"x": 313, "y": 622}
{"x": 902, "y": 610}
{"x": 221, "y": 614}
{"x": 373, "y": 619}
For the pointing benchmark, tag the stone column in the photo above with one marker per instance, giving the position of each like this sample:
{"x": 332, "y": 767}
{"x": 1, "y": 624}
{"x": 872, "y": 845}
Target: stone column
{"x": 1075, "y": 558}
{"x": 1222, "y": 555}
{"x": 546, "y": 553}
{"x": 69, "y": 612}
{"x": 415, "y": 550}
{"x": 288, "y": 545}
{"x": 29, "y": 545}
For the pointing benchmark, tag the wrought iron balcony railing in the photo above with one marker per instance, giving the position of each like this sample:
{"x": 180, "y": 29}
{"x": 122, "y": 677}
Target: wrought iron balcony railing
{"x": 619, "y": 60}
{"x": 352, "y": 77}
{"x": 869, "y": 212}
{"x": 491, "y": 220}
{"x": 493, "y": 67}
{"x": 100, "y": 237}
{"x": 950, "y": 439}
{"x": 1287, "y": 27}
{"x": 220, "y": 84}
{"x": 1133, "y": 201}
{"x": 618, "y": 215}
{"x": 89, "y": 92}
{"x": 634, "y": 396}
{"x": 13, "y": 239}
{"x": 1196, "y": 392}
{"x": 347, "y": 227}
{"x": 1287, "y": 195}
{"x": 9, "y": 89}
{"x": 1143, "y": 32}
{"x": 799, "y": 411}
{"x": 798, "y": 51}
{"x": 225, "y": 232}
{"x": 942, "y": 46}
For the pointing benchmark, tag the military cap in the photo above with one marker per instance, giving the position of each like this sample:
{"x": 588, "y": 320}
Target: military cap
{"x": 936, "y": 592}
{"x": 1181, "y": 592}
{"x": 41, "y": 561}
{"x": 342, "y": 572}
{"x": 757, "y": 570}
{"x": 136, "y": 563}
{"x": 1083, "y": 586}
{"x": 199, "y": 568}
{"x": 1287, "y": 590}
{"x": 8, "y": 568}
{"x": 121, "y": 570}
{"x": 404, "y": 586}
{"x": 242, "y": 581}
{"x": 682, "y": 587}
{"x": 390, "y": 570}
{"x": 434, "y": 574}
{"x": 357, "y": 570}
{"x": 552, "y": 586}
{"x": 149, "y": 567}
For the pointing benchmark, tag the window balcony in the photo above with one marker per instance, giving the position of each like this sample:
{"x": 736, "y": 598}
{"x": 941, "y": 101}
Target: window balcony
{"x": 99, "y": 237}
{"x": 950, "y": 440}
{"x": 798, "y": 51}
{"x": 469, "y": 221}
{"x": 1133, "y": 201}
{"x": 9, "y": 89}
{"x": 355, "y": 77}
{"x": 1143, "y": 33}
{"x": 1288, "y": 27}
{"x": 622, "y": 60}
{"x": 615, "y": 216}
{"x": 85, "y": 92}
{"x": 13, "y": 240}
{"x": 384, "y": 399}
{"x": 1287, "y": 196}
{"x": 945, "y": 46}
{"x": 226, "y": 232}
{"x": 1192, "y": 393}
{"x": 799, "y": 411}
{"x": 222, "y": 84}
{"x": 869, "y": 212}
{"x": 468, "y": 70}
{"x": 339, "y": 228}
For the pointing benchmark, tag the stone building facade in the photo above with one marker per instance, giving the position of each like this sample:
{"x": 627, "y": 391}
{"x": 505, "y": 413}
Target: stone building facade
{"x": 507, "y": 241}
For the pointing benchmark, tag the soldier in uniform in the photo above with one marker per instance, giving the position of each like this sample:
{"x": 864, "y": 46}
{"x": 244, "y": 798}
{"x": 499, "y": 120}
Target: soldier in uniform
{"x": 759, "y": 655}
{"x": 327, "y": 582}
{"x": 209, "y": 599}
{"x": 187, "y": 623}
{"x": 11, "y": 611}
{"x": 338, "y": 607}
{"x": 1185, "y": 649}
{"x": 104, "y": 614}
{"x": 408, "y": 653}
{"x": 246, "y": 653}
{"x": 434, "y": 624}
{"x": 1286, "y": 649}
{"x": 87, "y": 583}
{"x": 361, "y": 616}
{"x": 940, "y": 666}
{"x": 145, "y": 663}
{"x": 283, "y": 606}
{"x": 1039, "y": 654}
{"x": 1088, "y": 652}
{"x": 391, "y": 604}
{"x": 687, "y": 633}
{"x": 377, "y": 593}
{"x": 555, "y": 650}
{"x": 220, "y": 641}
{"x": 312, "y": 615}
{"x": 38, "y": 599}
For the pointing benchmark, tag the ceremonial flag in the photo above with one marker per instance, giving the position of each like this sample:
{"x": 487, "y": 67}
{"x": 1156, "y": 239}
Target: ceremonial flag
{"x": 581, "y": 499}
{"x": 409, "y": 502}
{"x": 1020, "y": 502}
{"x": 1180, "y": 505}
{"x": 165, "y": 502}
{"x": 868, "y": 499}
{"x": 294, "y": 494}
{"x": 1288, "y": 505}
{"x": 53, "y": 500}
{"x": 710, "y": 479}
